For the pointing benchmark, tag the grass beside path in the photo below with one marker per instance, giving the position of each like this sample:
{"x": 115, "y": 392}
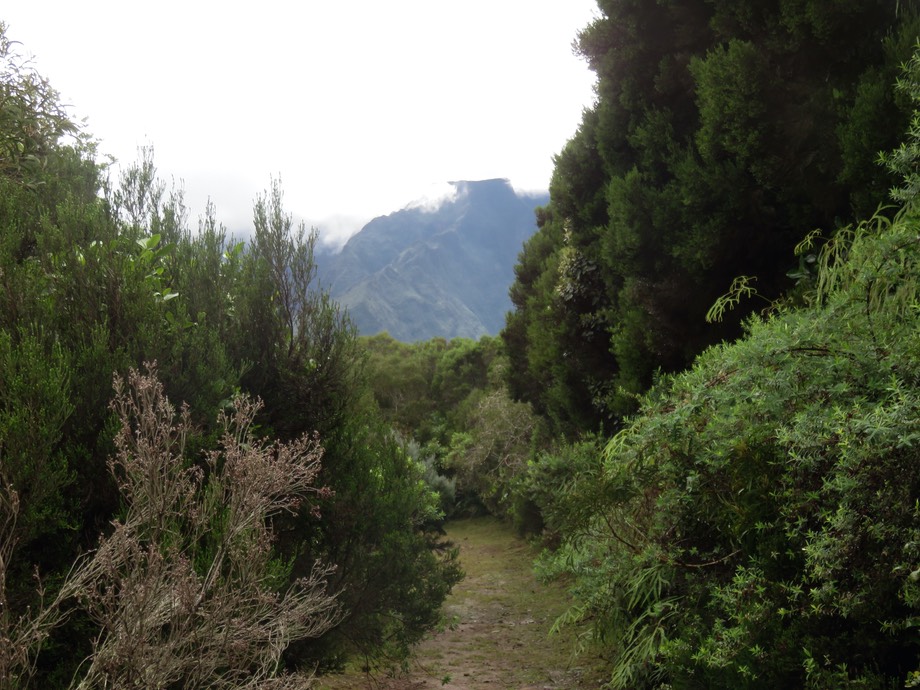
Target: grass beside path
{"x": 498, "y": 621}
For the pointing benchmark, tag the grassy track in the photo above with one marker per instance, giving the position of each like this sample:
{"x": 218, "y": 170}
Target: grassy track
{"x": 498, "y": 619}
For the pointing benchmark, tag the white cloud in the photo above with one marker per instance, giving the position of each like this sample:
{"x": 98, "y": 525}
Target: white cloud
{"x": 359, "y": 106}
{"x": 435, "y": 196}
{"x": 335, "y": 230}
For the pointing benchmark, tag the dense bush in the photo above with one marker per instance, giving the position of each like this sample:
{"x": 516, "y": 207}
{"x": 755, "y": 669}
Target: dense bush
{"x": 98, "y": 276}
{"x": 722, "y": 133}
{"x": 450, "y": 399}
{"x": 756, "y": 525}
{"x": 184, "y": 589}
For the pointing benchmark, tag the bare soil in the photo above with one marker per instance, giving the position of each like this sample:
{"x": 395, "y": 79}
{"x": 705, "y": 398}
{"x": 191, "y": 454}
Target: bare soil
{"x": 496, "y": 634}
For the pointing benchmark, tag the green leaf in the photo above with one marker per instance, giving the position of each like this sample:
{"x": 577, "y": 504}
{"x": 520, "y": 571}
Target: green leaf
{"x": 149, "y": 243}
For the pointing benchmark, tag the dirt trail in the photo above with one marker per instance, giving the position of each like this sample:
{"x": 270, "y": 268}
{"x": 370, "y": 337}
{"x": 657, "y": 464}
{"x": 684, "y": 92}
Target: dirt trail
{"x": 499, "y": 618}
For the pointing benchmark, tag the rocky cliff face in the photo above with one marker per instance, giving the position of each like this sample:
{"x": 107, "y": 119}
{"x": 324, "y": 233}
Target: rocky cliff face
{"x": 420, "y": 273}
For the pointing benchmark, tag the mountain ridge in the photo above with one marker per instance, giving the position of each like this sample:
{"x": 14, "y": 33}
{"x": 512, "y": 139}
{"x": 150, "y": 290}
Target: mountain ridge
{"x": 424, "y": 272}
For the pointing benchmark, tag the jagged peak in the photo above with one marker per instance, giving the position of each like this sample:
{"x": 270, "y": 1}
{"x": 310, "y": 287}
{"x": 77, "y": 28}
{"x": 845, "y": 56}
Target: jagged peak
{"x": 452, "y": 262}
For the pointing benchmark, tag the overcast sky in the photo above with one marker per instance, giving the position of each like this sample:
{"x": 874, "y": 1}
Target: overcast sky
{"x": 360, "y": 107}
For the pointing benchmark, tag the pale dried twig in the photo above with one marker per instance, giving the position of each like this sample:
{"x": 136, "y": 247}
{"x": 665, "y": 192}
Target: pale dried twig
{"x": 186, "y": 592}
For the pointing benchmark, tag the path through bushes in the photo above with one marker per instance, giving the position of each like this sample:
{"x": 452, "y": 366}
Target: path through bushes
{"x": 498, "y": 619}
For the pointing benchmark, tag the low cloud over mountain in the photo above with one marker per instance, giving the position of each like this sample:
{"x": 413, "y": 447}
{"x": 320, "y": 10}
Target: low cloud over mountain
{"x": 435, "y": 269}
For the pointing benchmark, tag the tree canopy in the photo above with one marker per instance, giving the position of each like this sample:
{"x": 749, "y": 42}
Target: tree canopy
{"x": 721, "y": 135}
{"x": 753, "y": 520}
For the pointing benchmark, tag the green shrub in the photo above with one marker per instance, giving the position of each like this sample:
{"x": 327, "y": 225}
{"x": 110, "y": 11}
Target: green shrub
{"x": 756, "y": 525}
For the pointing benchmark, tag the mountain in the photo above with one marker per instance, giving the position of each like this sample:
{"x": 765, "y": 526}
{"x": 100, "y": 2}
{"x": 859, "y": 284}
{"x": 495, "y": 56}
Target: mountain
{"x": 425, "y": 272}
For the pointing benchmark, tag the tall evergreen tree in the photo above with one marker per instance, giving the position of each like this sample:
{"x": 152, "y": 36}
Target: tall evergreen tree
{"x": 722, "y": 133}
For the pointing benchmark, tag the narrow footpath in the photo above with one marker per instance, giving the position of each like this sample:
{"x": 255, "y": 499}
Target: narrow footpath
{"x": 497, "y": 632}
